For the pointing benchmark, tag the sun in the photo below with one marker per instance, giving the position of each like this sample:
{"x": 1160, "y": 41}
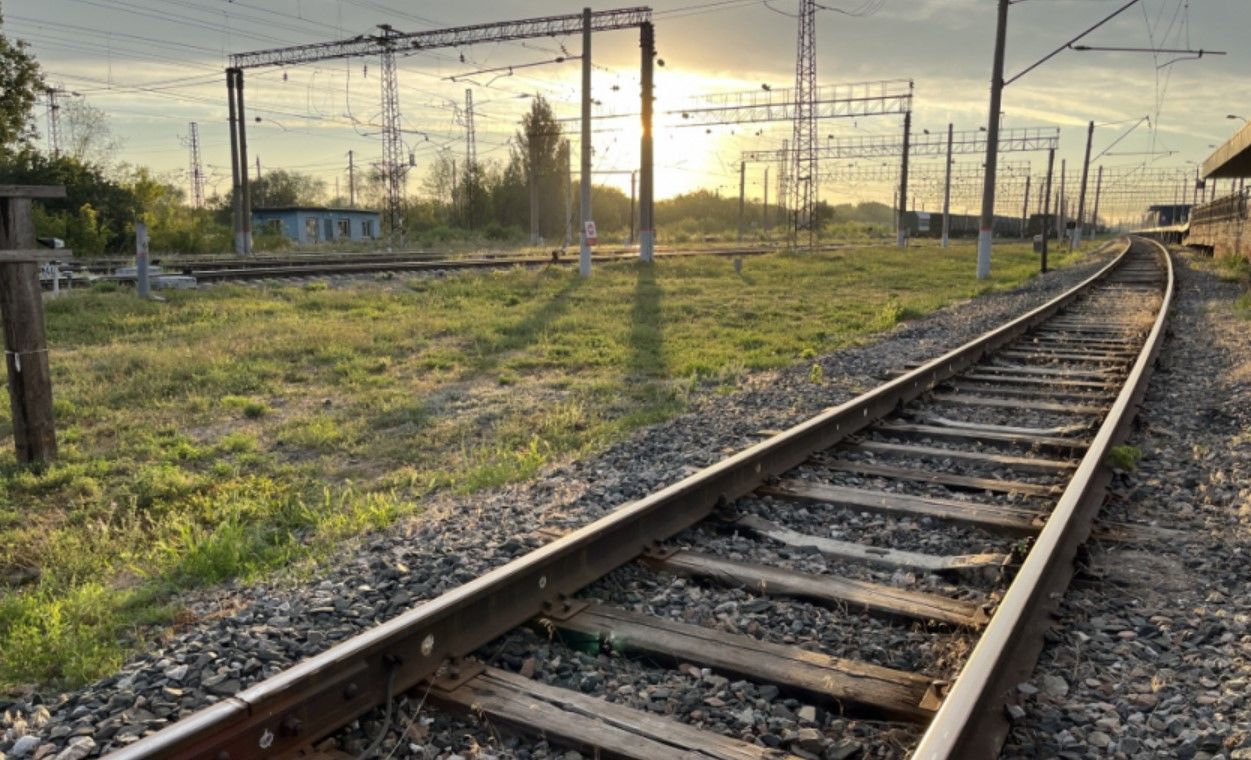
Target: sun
{"x": 687, "y": 156}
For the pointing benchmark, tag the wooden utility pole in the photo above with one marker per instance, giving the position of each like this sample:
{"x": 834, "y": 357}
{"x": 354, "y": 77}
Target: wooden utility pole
{"x": 21, "y": 309}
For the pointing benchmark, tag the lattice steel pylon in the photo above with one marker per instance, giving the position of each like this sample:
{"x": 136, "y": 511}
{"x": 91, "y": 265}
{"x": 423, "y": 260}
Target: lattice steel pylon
{"x": 393, "y": 167}
{"x": 471, "y": 143}
{"x": 195, "y": 172}
{"x": 54, "y": 119}
{"x": 804, "y": 138}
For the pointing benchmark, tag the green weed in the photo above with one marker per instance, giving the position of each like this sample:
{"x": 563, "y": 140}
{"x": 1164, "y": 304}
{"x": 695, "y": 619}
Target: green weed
{"x": 1124, "y": 458}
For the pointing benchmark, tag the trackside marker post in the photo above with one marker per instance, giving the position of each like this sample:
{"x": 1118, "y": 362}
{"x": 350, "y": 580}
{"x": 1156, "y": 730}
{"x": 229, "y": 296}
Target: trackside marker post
{"x": 142, "y": 286}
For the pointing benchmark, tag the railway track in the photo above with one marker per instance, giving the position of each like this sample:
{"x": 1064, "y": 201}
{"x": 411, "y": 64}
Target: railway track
{"x": 303, "y": 266}
{"x": 373, "y": 266}
{"x": 860, "y": 555}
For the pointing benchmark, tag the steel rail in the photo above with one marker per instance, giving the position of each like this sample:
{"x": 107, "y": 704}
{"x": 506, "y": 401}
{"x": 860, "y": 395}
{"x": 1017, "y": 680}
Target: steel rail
{"x": 971, "y": 722}
{"x": 418, "y": 265}
{"x": 286, "y": 713}
{"x": 255, "y": 270}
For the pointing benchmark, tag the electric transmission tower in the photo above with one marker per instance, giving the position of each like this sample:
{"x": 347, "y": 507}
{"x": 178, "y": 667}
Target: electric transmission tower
{"x": 804, "y": 138}
{"x": 196, "y": 170}
{"x": 393, "y": 166}
{"x": 53, "y": 95}
{"x": 471, "y": 146}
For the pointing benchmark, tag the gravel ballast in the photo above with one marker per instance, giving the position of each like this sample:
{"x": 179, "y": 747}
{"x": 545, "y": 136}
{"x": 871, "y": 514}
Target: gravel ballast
{"x": 243, "y": 635}
{"x": 1151, "y": 657}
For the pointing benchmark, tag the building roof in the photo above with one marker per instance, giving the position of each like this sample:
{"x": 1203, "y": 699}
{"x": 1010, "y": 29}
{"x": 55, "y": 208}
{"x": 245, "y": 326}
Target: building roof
{"x": 1233, "y": 159}
{"x": 322, "y": 209}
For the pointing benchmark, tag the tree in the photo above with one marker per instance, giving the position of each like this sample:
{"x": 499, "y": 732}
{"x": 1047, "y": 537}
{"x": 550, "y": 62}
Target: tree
{"x": 440, "y": 185}
{"x": 97, "y": 211}
{"x": 20, "y": 84}
{"x": 539, "y": 153}
{"x": 279, "y": 187}
{"x": 473, "y": 199}
{"x": 87, "y": 135}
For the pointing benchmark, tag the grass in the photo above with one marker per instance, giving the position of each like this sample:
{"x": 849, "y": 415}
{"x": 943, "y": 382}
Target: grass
{"x": 1231, "y": 269}
{"x": 1124, "y": 458}
{"x": 230, "y": 433}
{"x": 1242, "y": 305}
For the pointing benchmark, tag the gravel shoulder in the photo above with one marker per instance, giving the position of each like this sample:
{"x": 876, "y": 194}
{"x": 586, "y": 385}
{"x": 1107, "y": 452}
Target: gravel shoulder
{"x": 241, "y": 635}
{"x": 1151, "y": 656}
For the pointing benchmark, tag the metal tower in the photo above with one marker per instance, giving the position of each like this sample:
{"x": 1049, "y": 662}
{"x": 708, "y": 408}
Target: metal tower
{"x": 393, "y": 165}
{"x": 804, "y": 138}
{"x": 54, "y": 118}
{"x": 471, "y": 146}
{"x": 196, "y": 170}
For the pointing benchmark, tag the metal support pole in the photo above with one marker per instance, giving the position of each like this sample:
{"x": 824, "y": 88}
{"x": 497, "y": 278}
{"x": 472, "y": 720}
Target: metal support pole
{"x": 1025, "y": 208}
{"x": 784, "y": 189}
{"x": 584, "y": 256}
{"x": 901, "y": 238}
{"x": 533, "y": 180}
{"x": 742, "y": 189}
{"x": 568, "y": 193}
{"x": 142, "y": 286}
{"x": 764, "y": 218}
{"x": 1063, "y": 230}
{"x": 1081, "y": 197}
{"x": 985, "y": 231}
{"x": 896, "y": 214}
{"x": 236, "y": 188}
{"x": 351, "y": 179}
{"x": 1094, "y": 212}
{"x": 947, "y": 191}
{"x": 647, "y": 219}
{"x": 245, "y": 208}
{"x": 634, "y": 176}
{"x": 1046, "y": 233}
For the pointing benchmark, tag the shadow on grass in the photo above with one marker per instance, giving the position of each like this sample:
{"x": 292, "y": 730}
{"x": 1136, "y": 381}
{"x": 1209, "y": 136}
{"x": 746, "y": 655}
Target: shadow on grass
{"x": 525, "y": 331}
{"x": 646, "y": 361}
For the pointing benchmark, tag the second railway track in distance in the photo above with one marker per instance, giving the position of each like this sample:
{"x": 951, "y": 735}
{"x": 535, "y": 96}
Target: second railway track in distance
{"x": 323, "y": 265}
{"x": 929, "y": 522}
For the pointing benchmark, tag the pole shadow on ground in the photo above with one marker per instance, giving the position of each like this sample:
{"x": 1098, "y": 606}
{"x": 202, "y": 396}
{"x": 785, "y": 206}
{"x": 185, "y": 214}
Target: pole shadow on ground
{"x": 646, "y": 361}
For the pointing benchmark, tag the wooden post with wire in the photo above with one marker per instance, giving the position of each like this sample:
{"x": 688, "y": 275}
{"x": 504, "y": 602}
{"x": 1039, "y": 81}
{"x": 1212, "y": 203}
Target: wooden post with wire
{"x": 21, "y": 310}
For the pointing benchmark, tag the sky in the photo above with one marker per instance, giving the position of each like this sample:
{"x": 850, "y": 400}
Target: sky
{"x": 154, "y": 66}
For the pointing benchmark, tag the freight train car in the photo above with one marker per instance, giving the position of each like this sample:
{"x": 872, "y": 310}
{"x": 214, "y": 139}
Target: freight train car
{"x": 925, "y": 224}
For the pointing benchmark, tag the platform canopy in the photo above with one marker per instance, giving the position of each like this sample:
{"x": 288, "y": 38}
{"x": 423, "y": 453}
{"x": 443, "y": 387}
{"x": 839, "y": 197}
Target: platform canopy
{"x": 1233, "y": 159}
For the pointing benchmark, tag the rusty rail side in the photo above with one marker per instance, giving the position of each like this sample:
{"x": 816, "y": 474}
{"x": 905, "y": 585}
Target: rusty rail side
{"x": 971, "y": 723}
{"x": 286, "y": 712}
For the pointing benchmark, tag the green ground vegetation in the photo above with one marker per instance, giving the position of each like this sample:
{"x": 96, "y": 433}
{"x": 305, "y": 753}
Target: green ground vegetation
{"x": 232, "y": 432}
{"x": 1230, "y": 269}
{"x": 1124, "y": 458}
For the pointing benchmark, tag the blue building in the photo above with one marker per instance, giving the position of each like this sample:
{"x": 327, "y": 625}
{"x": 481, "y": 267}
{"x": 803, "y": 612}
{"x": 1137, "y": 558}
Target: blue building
{"x": 309, "y": 225}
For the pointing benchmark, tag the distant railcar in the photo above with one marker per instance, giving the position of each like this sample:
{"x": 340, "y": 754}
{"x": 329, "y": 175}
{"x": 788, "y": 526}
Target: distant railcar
{"x": 930, "y": 225}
